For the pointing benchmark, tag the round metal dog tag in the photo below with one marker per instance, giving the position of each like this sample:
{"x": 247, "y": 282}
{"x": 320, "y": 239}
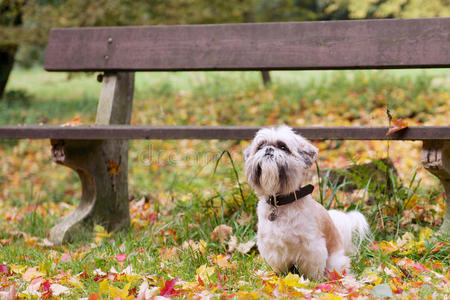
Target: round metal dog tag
{"x": 273, "y": 214}
{"x": 272, "y": 217}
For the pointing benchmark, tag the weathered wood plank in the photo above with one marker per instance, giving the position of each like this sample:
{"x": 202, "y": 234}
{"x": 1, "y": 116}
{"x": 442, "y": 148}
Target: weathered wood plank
{"x": 96, "y": 132}
{"x": 389, "y": 43}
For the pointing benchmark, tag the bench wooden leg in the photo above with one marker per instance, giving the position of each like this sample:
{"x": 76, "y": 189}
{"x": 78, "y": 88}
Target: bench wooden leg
{"x": 436, "y": 159}
{"x": 101, "y": 165}
{"x": 102, "y": 168}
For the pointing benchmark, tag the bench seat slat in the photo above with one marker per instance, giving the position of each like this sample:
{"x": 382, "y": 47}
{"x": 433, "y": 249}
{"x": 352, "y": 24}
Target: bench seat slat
{"x": 227, "y": 132}
{"x": 354, "y": 44}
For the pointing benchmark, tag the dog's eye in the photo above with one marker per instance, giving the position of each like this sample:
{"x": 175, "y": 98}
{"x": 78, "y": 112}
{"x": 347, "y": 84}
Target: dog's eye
{"x": 282, "y": 146}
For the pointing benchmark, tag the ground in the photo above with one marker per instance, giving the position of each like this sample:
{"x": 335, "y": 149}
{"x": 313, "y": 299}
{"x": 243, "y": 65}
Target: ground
{"x": 193, "y": 217}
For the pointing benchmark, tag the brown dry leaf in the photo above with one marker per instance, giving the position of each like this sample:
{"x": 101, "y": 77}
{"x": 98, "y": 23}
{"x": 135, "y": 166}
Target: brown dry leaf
{"x": 74, "y": 122}
{"x": 244, "y": 218}
{"x": 398, "y": 124}
{"x": 232, "y": 243}
{"x": 18, "y": 233}
{"x": 113, "y": 167}
{"x": 6, "y": 242}
{"x": 30, "y": 240}
{"x": 168, "y": 253}
{"x": 221, "y": 233}
{"x": 32, "y": 272}
{"x": 245, "y": 247}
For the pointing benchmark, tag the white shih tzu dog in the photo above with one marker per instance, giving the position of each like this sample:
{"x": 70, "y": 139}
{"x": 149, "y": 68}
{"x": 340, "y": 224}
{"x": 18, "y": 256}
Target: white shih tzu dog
{"x": 294, "y": 231}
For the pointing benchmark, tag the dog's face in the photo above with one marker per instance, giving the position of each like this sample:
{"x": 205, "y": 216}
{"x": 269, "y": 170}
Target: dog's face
{"x": 276, "y": 160}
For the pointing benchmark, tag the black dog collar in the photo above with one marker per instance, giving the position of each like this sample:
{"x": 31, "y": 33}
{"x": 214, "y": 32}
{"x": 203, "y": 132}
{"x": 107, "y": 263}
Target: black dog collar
{"x": 289, "y": 198}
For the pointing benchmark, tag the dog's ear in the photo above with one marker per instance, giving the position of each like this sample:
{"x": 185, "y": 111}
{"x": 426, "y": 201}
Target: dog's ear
{"x": 246, "y": 153}
{"x": 307, "y": 151}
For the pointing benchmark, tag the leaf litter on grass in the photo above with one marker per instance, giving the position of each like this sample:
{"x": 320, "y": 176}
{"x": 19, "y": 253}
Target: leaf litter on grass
{"x": 193, "y": 230}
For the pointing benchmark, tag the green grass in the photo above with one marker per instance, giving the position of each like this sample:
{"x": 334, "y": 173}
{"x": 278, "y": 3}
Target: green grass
{"x": 191, "y": 188}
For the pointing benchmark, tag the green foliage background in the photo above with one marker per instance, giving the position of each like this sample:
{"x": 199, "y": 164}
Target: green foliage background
{"x": 38, "y": 16}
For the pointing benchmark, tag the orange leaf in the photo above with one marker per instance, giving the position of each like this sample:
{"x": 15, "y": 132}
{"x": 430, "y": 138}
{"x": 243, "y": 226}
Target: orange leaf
{"x": 75, "y": 122}
{"x": 398, "y": 124}
{"x": 222, "y": 261}
{"x": 113, "y": 167}
{"x": 93, "y": 296}
{"x": 335, "y": 275}
{"x": 6, "y": 241}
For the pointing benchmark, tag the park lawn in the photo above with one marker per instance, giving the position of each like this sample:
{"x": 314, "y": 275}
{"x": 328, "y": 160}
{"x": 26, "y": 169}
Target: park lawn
{"x": 183, "y": 192}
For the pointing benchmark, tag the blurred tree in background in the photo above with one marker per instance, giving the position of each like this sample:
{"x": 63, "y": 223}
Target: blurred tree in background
{"x": 359, "y": 9}
{"x": 10, "y": 21}
{"x": 26, "y": 23}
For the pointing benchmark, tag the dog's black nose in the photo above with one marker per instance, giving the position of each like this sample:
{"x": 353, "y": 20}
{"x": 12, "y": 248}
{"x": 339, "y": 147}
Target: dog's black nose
{"x": 269, "y": 150}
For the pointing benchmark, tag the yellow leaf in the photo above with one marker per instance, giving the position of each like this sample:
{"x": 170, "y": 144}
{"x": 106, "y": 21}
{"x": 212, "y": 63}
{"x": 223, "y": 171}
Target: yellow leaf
{"x": 75, "y": 282}
{"x": 18, "y": 269}
{"x": 31, "y": 273}
{"x": 292, "y": 280}
{"x": 30, "y": 241}
{"x": 388, "y": 247}
{"x": 248, "y": 295}
{"x": 205, "y": 272}
{"x": 419, "y": 246}
{"x": 189, "y": 285}
{"x": 100, "y": 233}
{"x": 132, "y": 277}
{"x": 411, "y": 202}
{"x": 425, "y": 234}
{"x": 371, "y": 277}
{"x": 120, "y": 293}
{"x": 43, "y": 268}
{"x": 331, "y": 297}
{"x": 222, "y": 261}
{"x": 199, "y": 246}
{"x": 104, "y": 286}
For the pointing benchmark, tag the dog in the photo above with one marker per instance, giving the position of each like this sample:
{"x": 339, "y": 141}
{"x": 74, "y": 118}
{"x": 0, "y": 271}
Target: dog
{"x": 296, "y": 233}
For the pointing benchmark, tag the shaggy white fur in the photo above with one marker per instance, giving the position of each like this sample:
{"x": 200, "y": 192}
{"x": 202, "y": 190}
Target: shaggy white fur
{"x": 303, "y": 234}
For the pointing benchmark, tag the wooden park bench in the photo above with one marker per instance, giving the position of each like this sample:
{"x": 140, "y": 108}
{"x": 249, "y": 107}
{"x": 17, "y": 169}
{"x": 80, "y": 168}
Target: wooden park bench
{"x": 94, "y": 150}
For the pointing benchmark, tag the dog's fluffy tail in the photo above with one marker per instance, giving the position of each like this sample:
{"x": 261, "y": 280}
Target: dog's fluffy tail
{"x": 353, "y": 228}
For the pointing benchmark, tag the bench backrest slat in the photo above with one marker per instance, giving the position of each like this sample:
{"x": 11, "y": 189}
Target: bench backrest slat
{"x": 392, "y": 43}
{"x": 217, "y": 132}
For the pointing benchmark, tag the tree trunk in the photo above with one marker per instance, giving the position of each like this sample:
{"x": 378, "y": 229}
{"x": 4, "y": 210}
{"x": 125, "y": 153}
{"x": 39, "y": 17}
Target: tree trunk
{"x": 7, "y": 54}
{"x": 10, "y": 16}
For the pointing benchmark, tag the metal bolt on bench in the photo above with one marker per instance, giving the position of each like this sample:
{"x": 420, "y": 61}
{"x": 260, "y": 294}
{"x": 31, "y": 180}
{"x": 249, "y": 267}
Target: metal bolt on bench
{"x": 120, "y": 51}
